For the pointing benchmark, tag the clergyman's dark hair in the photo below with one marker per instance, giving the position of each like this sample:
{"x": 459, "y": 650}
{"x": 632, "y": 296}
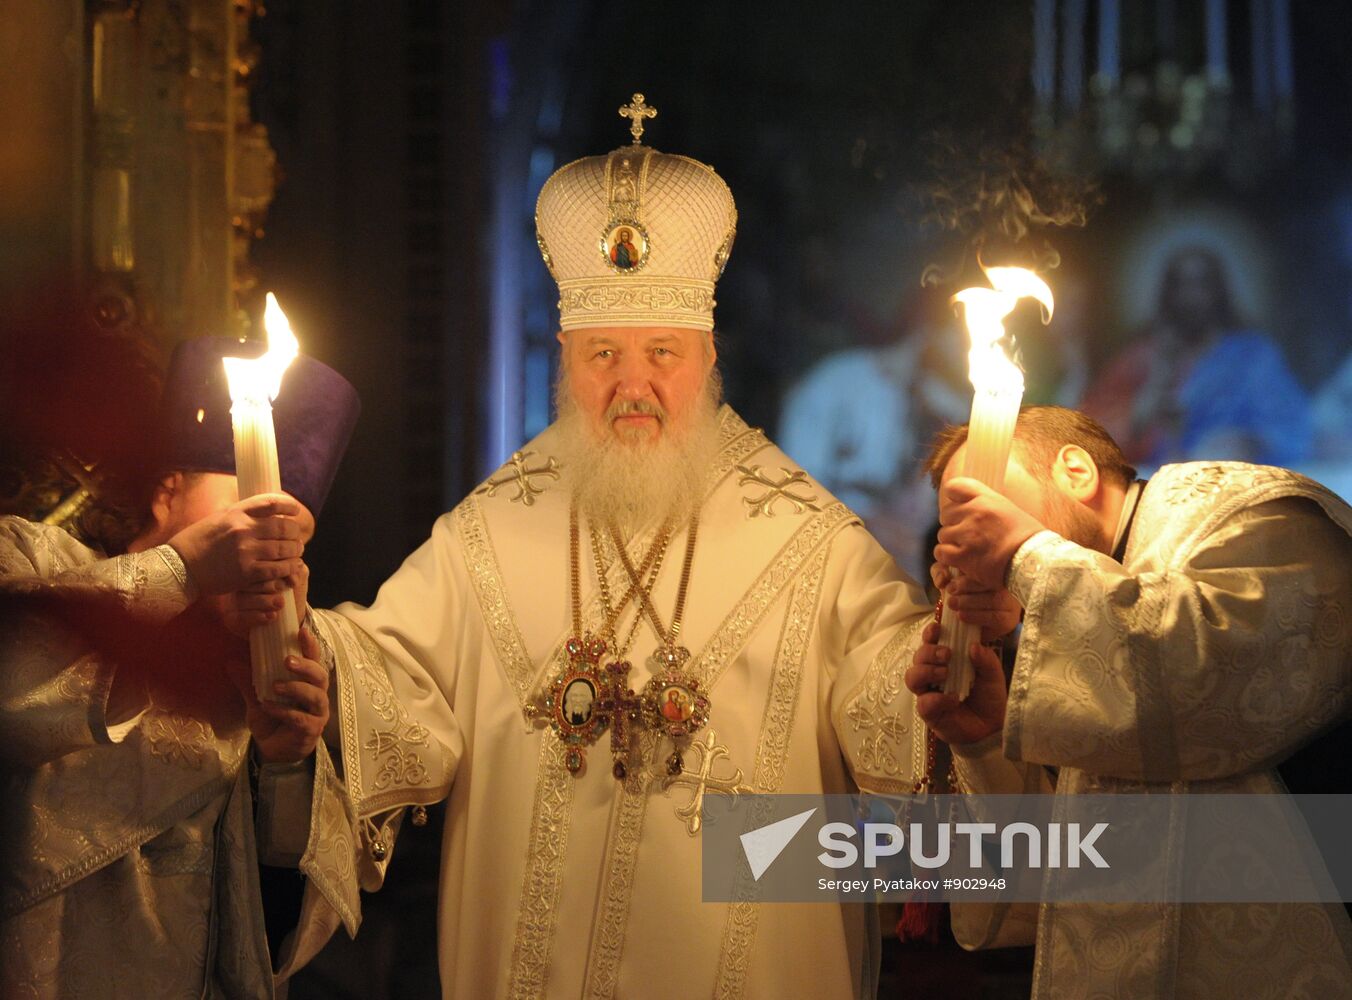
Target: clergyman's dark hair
{"x": 1041, "y": 432}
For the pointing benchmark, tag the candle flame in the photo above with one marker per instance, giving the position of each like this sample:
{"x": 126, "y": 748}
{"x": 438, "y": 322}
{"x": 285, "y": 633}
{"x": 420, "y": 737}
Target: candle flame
{"x": 260, "y": 379}
{"x": 985, "y": 309}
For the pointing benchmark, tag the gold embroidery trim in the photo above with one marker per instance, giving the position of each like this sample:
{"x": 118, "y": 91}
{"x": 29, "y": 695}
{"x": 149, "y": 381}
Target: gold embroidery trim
{"x": 545, "y": 855}
{"x": 517, "y": 472}
{"x": 329, "y": 852}
{"x": 869, "y": 708}
{"x": 484, "y": 573}
{"x": 627, "y": 813}
{"x": 739, "y": 929}
{"x": 396, "y": 749}
{"x": 775, "y": 490}
{"x": 702, "y": 781}
{"x": 732, "y": 634}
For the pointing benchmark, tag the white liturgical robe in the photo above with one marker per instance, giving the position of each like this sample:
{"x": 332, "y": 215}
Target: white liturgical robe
{"x": 131, "y": 842}
{"x": 559, "y": 885}
{"x": 1219, "y": 645}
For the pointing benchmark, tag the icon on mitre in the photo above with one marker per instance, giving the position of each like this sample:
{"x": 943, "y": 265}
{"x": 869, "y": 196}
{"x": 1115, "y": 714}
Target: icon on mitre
{"x": 625, "y": 246}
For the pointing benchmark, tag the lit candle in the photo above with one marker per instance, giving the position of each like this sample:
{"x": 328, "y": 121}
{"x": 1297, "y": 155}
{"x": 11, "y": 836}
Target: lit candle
{"x": 997, "y": 385}
{"x": 254, "y": 384}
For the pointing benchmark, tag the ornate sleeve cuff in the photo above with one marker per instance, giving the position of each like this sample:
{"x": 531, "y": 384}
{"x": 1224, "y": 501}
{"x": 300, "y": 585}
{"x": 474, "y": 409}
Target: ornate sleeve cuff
{"x": 152, "y": 585}
{"x": 1027, "y": 565}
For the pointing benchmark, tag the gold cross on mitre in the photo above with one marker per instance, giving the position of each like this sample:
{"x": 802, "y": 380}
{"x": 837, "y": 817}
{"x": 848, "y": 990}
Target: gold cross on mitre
{"x": 636, "y": 111}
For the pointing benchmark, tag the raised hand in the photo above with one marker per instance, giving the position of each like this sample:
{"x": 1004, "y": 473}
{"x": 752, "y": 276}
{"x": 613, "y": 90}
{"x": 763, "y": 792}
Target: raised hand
{"x": 251, "y": 542}
{"x": 980, "y": 530}
{"x": 954, "y": 721}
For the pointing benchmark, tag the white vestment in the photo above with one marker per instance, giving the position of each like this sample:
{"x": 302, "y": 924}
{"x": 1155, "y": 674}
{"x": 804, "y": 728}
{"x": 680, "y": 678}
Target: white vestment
{"x": 131, "y": 847}
{"x": 555, "y": 885}
{"x": 1218, "y": 646}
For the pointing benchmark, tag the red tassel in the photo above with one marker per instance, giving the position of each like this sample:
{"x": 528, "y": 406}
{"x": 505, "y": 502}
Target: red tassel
{"x": 920, "y": 921}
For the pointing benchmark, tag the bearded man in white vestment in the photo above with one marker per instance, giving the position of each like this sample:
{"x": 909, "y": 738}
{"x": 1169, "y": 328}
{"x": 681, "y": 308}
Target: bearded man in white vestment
{"x": 1181, "y": 635}
{"x": 571, "y": 860}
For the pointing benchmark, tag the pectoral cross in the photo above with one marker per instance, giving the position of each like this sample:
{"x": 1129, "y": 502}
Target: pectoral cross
{"x": 624, "y": 709}
{"x": 636, "y": 111}
{"x": 704, "y": 780}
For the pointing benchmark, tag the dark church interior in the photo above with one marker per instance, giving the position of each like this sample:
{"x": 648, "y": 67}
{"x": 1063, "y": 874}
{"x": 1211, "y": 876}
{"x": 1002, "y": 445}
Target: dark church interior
{"x": 1167, "y": 165}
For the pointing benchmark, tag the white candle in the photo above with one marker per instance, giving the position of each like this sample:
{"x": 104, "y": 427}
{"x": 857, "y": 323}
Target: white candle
{"x": 998, "y": 390}
{"x": 254, "y": 383}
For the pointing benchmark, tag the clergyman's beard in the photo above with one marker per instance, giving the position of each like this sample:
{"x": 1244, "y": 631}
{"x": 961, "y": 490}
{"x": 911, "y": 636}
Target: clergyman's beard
{"x": 625, "y": 478}
{"x": 1072, "y": 521}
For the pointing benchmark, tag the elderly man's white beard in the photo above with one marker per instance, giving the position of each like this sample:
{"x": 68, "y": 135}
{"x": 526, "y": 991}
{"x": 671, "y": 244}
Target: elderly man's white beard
{"x": 628, "y": 480}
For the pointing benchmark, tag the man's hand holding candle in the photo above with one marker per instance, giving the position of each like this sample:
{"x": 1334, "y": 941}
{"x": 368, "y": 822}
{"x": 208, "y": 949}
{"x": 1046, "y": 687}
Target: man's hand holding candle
{"x": 955, "y": 721}
{"x": 980, "y": 530}
{"x": 255, "y": 541}
{"x": 262, "y": 603}
{"x": 287, "y": 730}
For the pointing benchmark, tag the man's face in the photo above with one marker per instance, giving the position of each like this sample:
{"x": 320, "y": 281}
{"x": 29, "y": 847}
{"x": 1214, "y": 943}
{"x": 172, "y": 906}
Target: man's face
{"x": 201, "y": 495}
{"x": 636, "y": 383}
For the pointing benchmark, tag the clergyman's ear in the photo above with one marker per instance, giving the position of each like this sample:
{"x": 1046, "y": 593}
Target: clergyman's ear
{"x": 1078, "y": 471}
{"x": 163, "y": 497}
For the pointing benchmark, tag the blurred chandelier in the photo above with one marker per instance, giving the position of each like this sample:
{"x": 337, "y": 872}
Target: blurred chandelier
{"x": 1178, "y": 88}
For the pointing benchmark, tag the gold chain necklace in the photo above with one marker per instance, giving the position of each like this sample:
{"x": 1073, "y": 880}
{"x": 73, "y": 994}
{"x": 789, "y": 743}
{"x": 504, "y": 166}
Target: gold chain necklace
{"x": 651, "y": 567}
{"x": 585, "y": 699}
{"x": 672, "y": 702}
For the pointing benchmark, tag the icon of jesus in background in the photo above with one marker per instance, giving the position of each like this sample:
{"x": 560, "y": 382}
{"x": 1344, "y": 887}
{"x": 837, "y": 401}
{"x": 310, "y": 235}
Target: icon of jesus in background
{"x": 623, "y": 254}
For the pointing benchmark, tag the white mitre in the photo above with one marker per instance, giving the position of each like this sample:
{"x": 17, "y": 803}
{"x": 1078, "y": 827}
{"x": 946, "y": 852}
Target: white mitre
{"x": 636, "y": 237}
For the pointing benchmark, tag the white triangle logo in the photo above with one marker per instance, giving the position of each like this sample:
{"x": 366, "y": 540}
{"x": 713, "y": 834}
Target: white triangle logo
{"x": 764, "y": 845}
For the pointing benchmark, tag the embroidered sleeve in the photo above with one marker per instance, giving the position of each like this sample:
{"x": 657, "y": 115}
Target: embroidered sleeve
{"x": 873, "y": 625}
{"x": 152, "y": 585}
{"x": 56, "y": 695}
{"x": 1221, "y": 662}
